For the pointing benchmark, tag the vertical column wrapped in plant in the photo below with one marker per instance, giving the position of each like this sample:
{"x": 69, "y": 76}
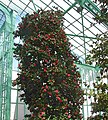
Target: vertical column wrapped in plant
{"x": 48, "y": 76}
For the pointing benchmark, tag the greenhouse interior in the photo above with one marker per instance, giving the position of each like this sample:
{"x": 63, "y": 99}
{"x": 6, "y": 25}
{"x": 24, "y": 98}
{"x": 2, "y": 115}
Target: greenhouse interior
{"x": 53, "y": 60}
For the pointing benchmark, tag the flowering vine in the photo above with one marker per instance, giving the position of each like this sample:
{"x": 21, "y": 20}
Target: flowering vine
{"x": 48, "y": 77}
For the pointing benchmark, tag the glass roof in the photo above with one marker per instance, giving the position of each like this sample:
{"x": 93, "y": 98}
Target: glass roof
{"x": 2, "y": 18}
{"x": 79, "y": 24}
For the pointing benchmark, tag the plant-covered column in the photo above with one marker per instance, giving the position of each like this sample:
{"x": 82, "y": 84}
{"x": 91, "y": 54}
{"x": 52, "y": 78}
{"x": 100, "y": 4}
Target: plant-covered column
{"x": 48, "y": 76}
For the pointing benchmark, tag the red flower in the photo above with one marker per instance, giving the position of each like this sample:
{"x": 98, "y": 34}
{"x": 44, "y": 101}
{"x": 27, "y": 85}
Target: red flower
{"x": 19, "y": 65}
{"x": 66, "y": 85}
{"x": 68, "y": 74}
{"x": 74, "y": 81}
{"x": 59, "y": 99}
{"x": 46, "y": 60}
{"x": 44, "y": 90}
{"x": 51, "y": 17}
{"x": 56, "y": 91}
{"x": 65, "y": 40}
{"x": 47, "y": 37}
{"x": 38, "y": 35}
{"x": 41, "y": 50}
{"x": 34, "y": 64}
{"x": 44, "y": 108}
{"x": 35, "y": 15}
{"x": 46, "y": 86}
{"x": 32, "y": 115}
{"x": 45, "y": 70}
{"x": 41, "y": 74}
{"x": 69, "y": 116}
{"x": 66, "y": 113}
{"x": 63, "y": 36}
{"x": 50, "y": 81}
{"x": 35, "y": 38}
{"x": 46, "y": 47}
{"x": 41, "y": 114}
{"x": 56, "y": 62}
{"x": 42, "y": 87}
{"x": 57, "y": 95}
{"x": 49, "y": 93}
{"x": 64, "y": 81}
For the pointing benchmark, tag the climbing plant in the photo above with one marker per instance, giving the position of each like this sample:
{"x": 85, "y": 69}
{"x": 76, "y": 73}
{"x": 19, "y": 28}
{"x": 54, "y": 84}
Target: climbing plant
{"x": 103, "y": 15}
{"x": 99, "y": 56}
{"x": 47, "y": 76}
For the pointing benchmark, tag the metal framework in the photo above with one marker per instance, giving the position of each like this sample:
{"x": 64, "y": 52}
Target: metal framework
{"x": 6, "y": 44}
{"x": 80, "y": 28}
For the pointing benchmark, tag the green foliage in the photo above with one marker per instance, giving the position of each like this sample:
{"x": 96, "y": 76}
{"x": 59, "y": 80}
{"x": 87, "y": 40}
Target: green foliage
{"x": 99, "y": 117}
{"x": 48, "y": 76}
{"x": 100, "y": 98}
{"x": 103, "y": 16}
{"x": 99, "y": 52}
{"x": 99, "y": 55}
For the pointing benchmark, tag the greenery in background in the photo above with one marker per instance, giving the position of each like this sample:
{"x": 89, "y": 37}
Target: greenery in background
{"x": 103, "y": 16}
{"x": 99, "y": 55}
{"x": 48, "y": 77}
